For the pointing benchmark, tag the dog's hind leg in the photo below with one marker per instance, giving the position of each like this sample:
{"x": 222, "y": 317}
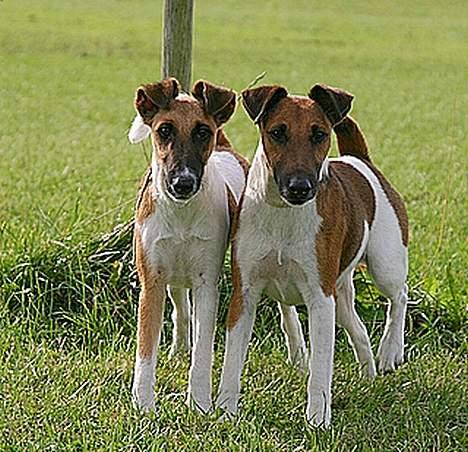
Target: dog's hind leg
{"x": 292, "y": 329}
{"x": 389, "y": 274}
{"x": 390, "y": 353}
{"x": 180, "y": 320}
{"x": 348, "y": 318}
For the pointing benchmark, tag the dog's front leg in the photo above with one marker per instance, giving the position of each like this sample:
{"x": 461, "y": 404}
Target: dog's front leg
{"x": 205, "y": 304}
{"x": 241, "y": 318}
{"x": 321, "y": 311}
{"x": 150, "y": 317}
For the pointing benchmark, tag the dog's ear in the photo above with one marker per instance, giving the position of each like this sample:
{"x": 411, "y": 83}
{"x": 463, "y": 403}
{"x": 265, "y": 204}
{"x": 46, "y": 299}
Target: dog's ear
{"x": 152, "y": 97}
{"x": 259, "y": 101}
{"x": 217, "y": 101}
{"x": 335, "y": 103}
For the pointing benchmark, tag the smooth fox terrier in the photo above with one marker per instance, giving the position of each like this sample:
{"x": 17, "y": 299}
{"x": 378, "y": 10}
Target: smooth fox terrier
{"x": 305, "y": 222}
{"x": 182, "y": 223}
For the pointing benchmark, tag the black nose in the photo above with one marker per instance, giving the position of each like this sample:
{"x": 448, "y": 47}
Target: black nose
{"x": 299, "y": 187}
{"x": 183, "y": 185}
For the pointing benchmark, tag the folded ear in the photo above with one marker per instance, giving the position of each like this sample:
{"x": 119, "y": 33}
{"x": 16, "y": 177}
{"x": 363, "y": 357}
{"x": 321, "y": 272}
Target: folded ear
{"x": 335, "y": 103}
{"x": 259, "y": 101}
{"x": 217, "y": 101}
{"x": 152, "y": 97}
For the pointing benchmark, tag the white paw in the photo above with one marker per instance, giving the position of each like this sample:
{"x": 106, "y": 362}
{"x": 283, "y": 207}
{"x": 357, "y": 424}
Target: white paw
{"x": 390, "y": 354}
{"x": 319, "y": 411}
{"x": 201, "y": 403}
{"x": 227, "y": 402}
{"x": 143, "y": 399}
{"x": 369, "y": 370}
{"x": 300, "y": 361}
{"x": 225, "y": 417}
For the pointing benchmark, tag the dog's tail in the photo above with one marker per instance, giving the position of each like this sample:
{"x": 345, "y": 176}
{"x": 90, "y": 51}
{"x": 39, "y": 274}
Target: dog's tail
{"x": 351, "y": 140}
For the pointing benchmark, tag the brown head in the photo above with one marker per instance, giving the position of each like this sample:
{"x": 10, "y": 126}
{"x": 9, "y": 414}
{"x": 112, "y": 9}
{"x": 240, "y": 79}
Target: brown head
{"x": 295, "y": 133}
{"x": 183, "y": 129}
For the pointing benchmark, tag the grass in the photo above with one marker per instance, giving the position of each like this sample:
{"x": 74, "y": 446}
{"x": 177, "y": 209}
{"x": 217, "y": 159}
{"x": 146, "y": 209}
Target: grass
{"x": 67, "y": 311}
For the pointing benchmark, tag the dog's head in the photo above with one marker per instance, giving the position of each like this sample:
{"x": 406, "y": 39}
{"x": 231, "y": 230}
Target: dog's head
{"x": 295, "y": 133}
{"x": 183, "y": 130}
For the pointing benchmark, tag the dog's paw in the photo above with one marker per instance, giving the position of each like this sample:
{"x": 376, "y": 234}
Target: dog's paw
{"x": 228, "y": 403}
{"x": 368, "y": 370}
{"x": 143, "y": 400}
{"x": 390, "y": 354}
{"x": 318, "y": 412}
{"x": 201, "y": 405}
{"x": 300, "y": 361}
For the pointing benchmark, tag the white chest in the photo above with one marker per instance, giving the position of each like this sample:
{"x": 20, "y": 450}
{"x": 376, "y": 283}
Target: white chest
{"x": 186, "y": 244}
{"x": 276, "y": 249}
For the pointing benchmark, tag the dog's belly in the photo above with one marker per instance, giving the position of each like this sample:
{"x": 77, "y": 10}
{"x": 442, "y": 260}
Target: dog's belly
{"x": 283, "y": 276}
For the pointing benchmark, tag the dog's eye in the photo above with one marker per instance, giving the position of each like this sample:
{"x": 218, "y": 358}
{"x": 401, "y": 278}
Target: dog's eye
{"x": 165, "y": 131}
{"x": 318, "y": 136}
{"x": 202, "y": 133}
{"x": 278, "y": 134}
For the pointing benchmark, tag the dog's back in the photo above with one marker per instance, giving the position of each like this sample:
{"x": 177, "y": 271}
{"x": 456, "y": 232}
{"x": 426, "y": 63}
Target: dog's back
{"x": 232, "y": 166}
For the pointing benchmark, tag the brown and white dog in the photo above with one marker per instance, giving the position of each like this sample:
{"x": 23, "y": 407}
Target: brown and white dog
{"x": 182, "y": 225}
{"x": 305, "y": 223}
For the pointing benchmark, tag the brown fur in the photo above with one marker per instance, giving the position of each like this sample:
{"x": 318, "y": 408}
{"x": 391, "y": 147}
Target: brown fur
{"x": 299, "y": 115}
{"x": 232, "y": 208}
{"x": 236, "y": 303}
{"x": 343, "y": 202}
{"x": 184, "y": 115}
{"x": 151, "y": 304}
{"x": 146, "y": 204}
{"x": 351, "y": 140}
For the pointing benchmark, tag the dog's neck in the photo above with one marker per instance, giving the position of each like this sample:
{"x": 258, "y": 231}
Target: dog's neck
{"x": 261, "y": 185}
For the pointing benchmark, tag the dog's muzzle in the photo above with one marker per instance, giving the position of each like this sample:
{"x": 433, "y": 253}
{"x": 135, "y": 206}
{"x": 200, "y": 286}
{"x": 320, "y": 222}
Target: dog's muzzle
{"x": 183, "y": 185}
{"x": 298, "y": 190}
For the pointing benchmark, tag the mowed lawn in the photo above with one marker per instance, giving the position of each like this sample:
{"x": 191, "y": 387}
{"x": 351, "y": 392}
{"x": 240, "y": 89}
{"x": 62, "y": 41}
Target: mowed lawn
{"x": 68, "y": 75}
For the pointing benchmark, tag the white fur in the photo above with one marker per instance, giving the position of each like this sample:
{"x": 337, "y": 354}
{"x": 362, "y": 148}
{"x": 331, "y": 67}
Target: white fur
{"x": 187, "y": 241}
{"x": 143, "y": 382}
{"x": 139, "y": 131}
{"x": 276, "y": 253}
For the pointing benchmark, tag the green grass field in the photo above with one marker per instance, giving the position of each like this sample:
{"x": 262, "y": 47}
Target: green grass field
{"x": 67, "y": 174}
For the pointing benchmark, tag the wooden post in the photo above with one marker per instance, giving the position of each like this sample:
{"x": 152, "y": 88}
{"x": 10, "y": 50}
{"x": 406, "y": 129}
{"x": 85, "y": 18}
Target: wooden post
{"x": 177, "y": 41}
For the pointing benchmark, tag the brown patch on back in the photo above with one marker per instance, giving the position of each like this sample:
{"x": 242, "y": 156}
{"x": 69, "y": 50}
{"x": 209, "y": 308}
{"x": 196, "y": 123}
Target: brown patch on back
{"x": 224, "y": 145}
{"x": 396, "y": 202}
{"x": 343, "y": 202}
{"x": 357, "y": 189}
{"x": 146, "y": 204}
{"x": 151, "y": 304}
{"x": 351, "y": 140}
